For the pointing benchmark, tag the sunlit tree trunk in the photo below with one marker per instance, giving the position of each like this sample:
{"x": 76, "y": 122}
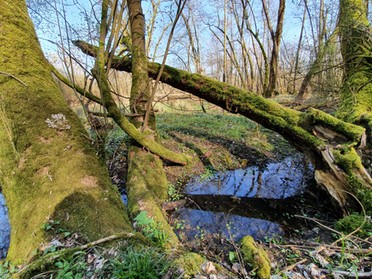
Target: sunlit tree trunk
{"x": 48, "y": 170}
{"x": 146, "y": 182}
{"x": 276, "y": 39}
{"x": 356, "y": 49}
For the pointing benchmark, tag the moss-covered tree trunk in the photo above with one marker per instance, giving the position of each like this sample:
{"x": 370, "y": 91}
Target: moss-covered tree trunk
{"x": 356, "y": 49}
{"x": 48, "y": 170}
{"x": 146, "y": 183}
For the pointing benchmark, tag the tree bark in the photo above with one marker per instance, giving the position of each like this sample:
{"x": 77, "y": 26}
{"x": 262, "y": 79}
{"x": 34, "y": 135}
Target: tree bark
{"x": 147, "y": 183}
{"x": 48, "y": 170}
{"x": 276, "y": 38}
{"x": 315, "y": 67}
{"x": 328, "y": 140}
{"x": 356, "y": 50}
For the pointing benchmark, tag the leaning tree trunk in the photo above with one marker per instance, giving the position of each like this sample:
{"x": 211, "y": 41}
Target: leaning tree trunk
{"x": 331, "y": 142}
{"x": 48, "y": 170}
{"x": 147, "y": 183}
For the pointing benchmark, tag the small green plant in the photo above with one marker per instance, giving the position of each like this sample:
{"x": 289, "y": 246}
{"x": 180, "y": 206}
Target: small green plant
{"x": 232, "y": 256}
{"x": 137, "y": 263}
{"x": 55, "y": 227}
{"x": 73, "y": 267}
{"x": 7, "y": 270}
{"x": 173, "y": 193}
{"x": 179, "y": 225}
{"x": 208, "y": 173}
{"x": 50, "y": 249}
{"x": 151, "y": 229}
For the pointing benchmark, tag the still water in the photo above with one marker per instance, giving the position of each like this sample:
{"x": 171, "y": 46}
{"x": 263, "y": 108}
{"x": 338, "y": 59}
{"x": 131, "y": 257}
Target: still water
{"x": 257, "y": 201}
{"x": 4, "y": 228}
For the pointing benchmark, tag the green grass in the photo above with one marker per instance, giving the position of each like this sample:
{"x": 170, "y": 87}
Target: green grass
{"x": 208, "y": 125}
{"x": 137, "y": 263}
{"x": 126, "y": 262}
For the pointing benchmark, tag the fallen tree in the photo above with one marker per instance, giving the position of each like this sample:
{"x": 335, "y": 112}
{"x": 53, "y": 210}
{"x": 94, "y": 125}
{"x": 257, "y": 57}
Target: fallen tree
{"x": 330, "y": 142}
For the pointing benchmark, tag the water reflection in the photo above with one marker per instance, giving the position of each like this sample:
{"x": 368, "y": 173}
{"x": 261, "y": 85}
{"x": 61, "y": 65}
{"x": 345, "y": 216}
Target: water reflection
{"x": 196, "y": 223}
{"x": 277, "y": 181}
{"x": 4, "y": 228}
{"x": 253, "y": 201}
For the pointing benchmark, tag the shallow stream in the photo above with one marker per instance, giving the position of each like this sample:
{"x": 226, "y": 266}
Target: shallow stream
{"x": 257, "y": 201}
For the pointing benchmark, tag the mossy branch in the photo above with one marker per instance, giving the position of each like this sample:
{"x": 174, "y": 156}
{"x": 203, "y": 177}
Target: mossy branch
{"x": 312, "y": 132}
{"x": 291, "y": 124}
{"x": 146, "y": 140}
{"x": 353, "y": 132}
{"x": 75, "y": 87}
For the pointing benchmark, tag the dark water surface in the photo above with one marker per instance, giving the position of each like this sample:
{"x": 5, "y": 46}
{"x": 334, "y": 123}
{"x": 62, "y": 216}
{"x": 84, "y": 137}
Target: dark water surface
{"x": 257, "y": 201}
{"x": 4, "y": 228}
{"x": 279, "y": 180}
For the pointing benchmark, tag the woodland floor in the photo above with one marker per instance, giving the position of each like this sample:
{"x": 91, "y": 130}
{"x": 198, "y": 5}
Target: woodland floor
{"x": 317, "y": 248}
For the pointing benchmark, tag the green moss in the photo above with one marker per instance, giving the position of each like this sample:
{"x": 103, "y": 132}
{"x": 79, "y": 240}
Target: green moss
{"x": 350, "y": 162}
{"x": 356, "y": 97}
{"x": 353, "y": 132}
{"x": 352, "y": 222}
{"x": 45, "y": 170}
{"x": 191, "y": 264}
{"x": 92, "y": 216}
{"x": 364, "y": 195}
{"x": 357, "y": 53}
{"x": 256, "y": 256}
{"x": 147, "y": 188}
{"x": 348, "y": 159}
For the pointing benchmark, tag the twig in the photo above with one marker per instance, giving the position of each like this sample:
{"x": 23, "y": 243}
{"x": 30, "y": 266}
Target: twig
{"x": 13, "y": 76}
{"x": 311, "y": 246}
{"x": 350, "y": 274}
{"x": 292, "y": 266}
{"x": 75, "y": 87}
{"x": 180, "y": 7}
{"x": 319, "y": 223}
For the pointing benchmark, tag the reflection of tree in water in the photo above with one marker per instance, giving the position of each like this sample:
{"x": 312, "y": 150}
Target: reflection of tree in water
{"x": 4, "y": 228}
{"x": 196, "y": 222}
{"x": 283, "y": 179}
{"x": 212, "y": 215}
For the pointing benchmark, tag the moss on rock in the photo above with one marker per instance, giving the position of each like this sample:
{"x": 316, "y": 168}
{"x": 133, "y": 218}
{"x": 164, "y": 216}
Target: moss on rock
{"x": 256, "y": 256}
{"x": 190, "y": 264}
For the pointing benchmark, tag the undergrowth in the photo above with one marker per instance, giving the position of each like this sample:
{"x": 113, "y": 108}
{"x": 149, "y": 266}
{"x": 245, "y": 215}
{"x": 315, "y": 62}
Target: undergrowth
{"x": 126, "y": 262}
{"x": 151, "y": 229}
